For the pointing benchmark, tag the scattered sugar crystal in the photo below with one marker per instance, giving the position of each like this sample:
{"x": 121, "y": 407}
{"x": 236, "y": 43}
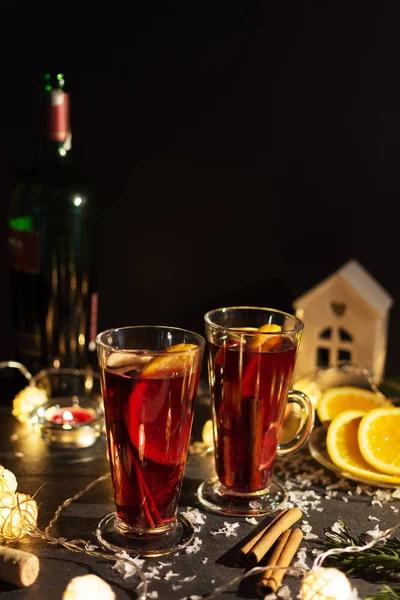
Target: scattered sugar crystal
{"x": 345, "y": 499}
{"x": 152, "y": 595}
{"x": 126, "y": 569}
{"x": 176, "y": 586}
{"x": 382, "y": 496}
{"x": 195, "y": 547}
{"x": 337, "y": 527}
{"x": 228, "y": 529}
{"x": 163, "y": 564}
{"x": 252, "y": 520}
{"x": 205, "y": 560}
{"x": 189, "y": 578}
{"x": 284, "y": 593}
{"x": 376, "y": 502}
{"x": 371, "y": 518}
{"x": 375, "y": 532}
{"x": 300, "y": 562}
{"x": 170, "y": 574}
{"x": 195, "y": 517}
{"x": 396, "y": 494}
{"x": 152, "y": 573}
{"x": 354, "y": 595}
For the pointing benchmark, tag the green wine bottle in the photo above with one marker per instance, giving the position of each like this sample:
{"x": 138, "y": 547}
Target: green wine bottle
{"x": 52, "y": 245}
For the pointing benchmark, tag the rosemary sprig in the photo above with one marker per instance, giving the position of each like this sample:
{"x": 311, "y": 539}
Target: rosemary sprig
{"x": 386, "y": 593}
{"x": 380, "y": 562}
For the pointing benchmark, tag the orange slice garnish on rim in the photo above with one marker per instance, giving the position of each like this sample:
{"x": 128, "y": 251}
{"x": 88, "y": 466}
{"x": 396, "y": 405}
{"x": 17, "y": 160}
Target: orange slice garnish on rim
{"x": 266, "y": 343}
{"x": 175, "y": 361}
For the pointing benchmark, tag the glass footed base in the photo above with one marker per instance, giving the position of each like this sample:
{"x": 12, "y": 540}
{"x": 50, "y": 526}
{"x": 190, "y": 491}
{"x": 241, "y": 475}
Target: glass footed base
{"x": 156, "y": 544}
{"x": 217, "y": 498}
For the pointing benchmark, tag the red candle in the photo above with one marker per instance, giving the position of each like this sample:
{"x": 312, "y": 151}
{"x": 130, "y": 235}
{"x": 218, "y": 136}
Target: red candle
{"x": 71, "y": 415}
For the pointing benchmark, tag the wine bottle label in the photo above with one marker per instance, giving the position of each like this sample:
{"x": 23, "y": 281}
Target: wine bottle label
{"x": 25, "y": 250}
{"x": 56, "y": 116}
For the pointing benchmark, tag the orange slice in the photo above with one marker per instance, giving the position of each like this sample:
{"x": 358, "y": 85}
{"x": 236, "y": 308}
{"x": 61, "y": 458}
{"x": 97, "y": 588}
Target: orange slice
{"x": 344, "y": 451}
{"x": 379, "y": 441}
{"x": 266, "y": 343}
{"x": 335, "y": 400}
{"x": 175, "y": 361}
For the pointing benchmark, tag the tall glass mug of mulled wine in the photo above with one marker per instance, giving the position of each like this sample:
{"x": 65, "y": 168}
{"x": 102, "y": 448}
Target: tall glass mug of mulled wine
{"x": 251, "y": 357}
{"x": 149, "y": 379}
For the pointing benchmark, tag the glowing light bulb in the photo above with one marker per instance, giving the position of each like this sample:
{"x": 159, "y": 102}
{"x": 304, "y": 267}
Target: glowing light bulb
{"x": 325, "y": 584}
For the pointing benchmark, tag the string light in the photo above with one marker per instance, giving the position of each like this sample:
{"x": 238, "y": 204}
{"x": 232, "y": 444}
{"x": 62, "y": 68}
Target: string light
{"x": 8, "y": 481}
{"x": 18, "y": 515}
{"x": 325, "y": 584}
{"x": 26, "y": 400}
{"x": 87, "y": 587}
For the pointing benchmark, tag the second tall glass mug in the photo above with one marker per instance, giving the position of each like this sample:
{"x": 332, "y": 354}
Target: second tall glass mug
{"x": 251, "y": 357}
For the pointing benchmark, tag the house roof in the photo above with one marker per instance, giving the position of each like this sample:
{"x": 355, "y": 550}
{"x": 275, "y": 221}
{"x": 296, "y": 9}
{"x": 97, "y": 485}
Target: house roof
{"x": 354, "y": 274}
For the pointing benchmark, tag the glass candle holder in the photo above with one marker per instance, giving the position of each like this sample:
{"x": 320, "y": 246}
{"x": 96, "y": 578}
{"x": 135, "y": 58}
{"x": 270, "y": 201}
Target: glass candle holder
{"x": 73, "y": 416}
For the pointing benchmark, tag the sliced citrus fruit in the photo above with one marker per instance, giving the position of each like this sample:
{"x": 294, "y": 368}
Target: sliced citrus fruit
{"x": 266, "y": 343}
{"x": 343, "y": 449}
{"x": 335, "y": 400}
{"x": 379, "y": 441}
{"x": 175, "y": 361}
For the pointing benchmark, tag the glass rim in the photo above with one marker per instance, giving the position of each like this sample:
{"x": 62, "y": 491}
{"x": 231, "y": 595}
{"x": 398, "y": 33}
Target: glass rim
{"x": 68, "y": 371}
{"x": 112, "y": 348}
{"x": 299, "y": 323}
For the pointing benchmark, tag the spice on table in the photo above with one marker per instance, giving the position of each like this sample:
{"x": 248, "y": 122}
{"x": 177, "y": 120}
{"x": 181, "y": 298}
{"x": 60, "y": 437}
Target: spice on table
{"x": 281, "y": 557}
{"x": 18, "y": 567}
{"x": 256, "y": 548}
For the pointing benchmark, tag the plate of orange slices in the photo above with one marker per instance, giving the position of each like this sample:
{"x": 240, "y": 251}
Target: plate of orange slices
{"x": 358, "y": 437}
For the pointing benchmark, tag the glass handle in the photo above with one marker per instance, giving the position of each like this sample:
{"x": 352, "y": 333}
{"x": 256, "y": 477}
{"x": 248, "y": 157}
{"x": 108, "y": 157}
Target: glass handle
{"x": 305, "y": 427}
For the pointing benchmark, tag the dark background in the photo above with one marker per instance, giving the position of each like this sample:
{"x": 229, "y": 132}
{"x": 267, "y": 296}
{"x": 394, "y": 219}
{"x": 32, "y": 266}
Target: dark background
{"x": 241, "y": 152}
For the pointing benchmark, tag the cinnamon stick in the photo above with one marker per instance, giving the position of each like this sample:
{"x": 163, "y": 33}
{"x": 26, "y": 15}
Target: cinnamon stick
{"x": 149, "y": 508}
{"x": 281, "y": 557}
{"x": 226, "y": 433}
{"x": 256, "y": 548}
{"x": 245, "y": 549}
{"x": 255, "y": 415}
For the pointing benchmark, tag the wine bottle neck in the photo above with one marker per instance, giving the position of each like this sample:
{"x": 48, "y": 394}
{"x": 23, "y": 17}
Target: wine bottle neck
{"x": 56, "y": 130}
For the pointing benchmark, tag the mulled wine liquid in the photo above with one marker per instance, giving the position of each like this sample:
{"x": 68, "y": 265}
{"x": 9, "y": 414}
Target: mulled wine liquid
{"x": 249, "y": 390}
{"x": 148, "y": 425}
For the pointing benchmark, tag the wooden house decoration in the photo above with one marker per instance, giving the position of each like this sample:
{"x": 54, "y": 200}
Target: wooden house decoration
{"x": 345, "y": 318}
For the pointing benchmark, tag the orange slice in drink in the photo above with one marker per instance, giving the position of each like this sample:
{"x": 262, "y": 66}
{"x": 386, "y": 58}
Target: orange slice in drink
{"x": 175, "y": 361}
{"x": 266, "y": 343}
{"x": 149, "y": 413}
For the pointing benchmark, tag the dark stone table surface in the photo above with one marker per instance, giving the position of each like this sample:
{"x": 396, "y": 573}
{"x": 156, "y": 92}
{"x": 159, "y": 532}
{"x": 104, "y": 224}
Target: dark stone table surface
{"x": 54, "y": 476}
